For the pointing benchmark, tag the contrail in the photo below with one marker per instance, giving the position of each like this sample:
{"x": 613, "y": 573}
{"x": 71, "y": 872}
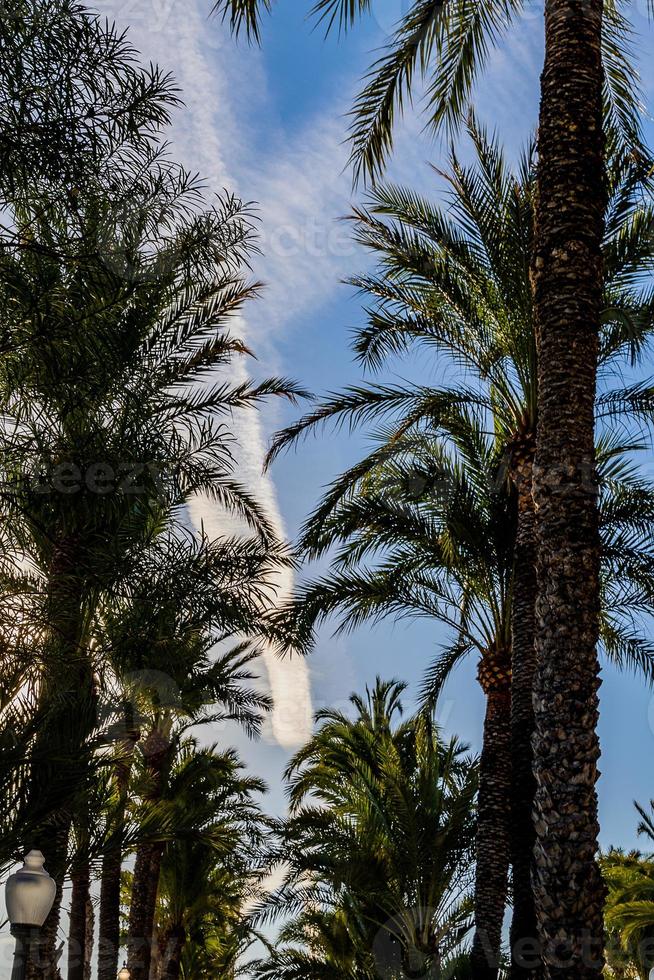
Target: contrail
{"x": 173, "y": 34}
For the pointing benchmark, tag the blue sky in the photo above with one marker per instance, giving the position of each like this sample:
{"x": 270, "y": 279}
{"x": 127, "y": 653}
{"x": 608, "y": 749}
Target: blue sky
{"x": 269, "y": 124}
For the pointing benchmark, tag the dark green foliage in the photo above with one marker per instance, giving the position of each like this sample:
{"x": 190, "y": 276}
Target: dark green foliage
{"x": 377, "y": 848}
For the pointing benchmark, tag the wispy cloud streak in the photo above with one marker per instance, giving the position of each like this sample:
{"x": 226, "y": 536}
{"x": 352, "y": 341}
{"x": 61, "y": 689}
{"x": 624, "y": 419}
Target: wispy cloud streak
{"x": 178, "y": 36}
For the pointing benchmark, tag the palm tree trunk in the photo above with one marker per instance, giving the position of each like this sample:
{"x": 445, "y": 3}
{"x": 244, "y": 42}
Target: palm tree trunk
{"x": 112, "y": 861}
{"x": 568, "y": 887}
{"x": 525, "y": 955}
{"x": 156, "y": 855}
{"x": 78, "y": 930}
{"x": 174, "y": 941}
{"x": 493, "y": 813}
{"x": 138, "y": 959}
{"x": 109, "y": 916}
{"x": 142, "y": 910}
{"x": 90, "y": 937}
{"x": 69, "y": 704}
{"x": 157, "y": 962}
{"x": 147, "y": 868}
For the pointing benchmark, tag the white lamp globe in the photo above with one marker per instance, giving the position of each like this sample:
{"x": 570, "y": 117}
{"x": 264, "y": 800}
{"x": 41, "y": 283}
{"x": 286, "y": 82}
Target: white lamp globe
{"x": 30, "y": 893}
{"x": 124, "y": 974}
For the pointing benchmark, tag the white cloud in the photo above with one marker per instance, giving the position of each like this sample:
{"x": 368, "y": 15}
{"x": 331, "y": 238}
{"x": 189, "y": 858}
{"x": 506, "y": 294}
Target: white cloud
{"x": 178, "y": 36}
{"x": 232, "y": 133}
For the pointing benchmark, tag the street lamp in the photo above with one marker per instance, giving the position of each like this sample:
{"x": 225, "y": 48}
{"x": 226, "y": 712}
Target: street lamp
{"x": 124, "y": 974}
{"x": 30, "y": 894}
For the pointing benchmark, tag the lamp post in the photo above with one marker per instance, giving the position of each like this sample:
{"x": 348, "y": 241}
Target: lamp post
{"x": 124, "y": 974}
{"x": 30, "y": 895}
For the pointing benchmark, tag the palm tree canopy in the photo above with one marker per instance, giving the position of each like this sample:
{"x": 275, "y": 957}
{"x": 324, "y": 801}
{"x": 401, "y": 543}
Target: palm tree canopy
{"x": 629, "y": 912}
{"x": 425, "y": 524}
{"x": 444, "y": 47}
{"x": 379, "y": 840}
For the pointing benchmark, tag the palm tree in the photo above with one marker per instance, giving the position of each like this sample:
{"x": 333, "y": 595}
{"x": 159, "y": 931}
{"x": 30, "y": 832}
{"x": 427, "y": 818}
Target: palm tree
{"x": 116, "y": 285}
{"x": 629, "y": 911}
{"x": 203, "y": 691}
{"x": 209, "y": 873}
{"x": 380, "y": 837}
{"x": 457, "y": 281}
{"x": 115, "y": 316}
{"x": 63, "y": 135}
{"x": 316, "y": 944}
{"x": 141, "y": 414}
{"x": 567, "y": 273}
{"x": 447, "y": 553}
{"x": 181, "y": 598}
{"x": 450, "y": 41}
{"x": 446, "y": 45}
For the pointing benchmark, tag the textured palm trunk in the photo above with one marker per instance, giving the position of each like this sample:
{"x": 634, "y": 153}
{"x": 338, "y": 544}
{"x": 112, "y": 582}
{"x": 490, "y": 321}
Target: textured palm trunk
{"x": 142, "y": 910}
{"x": 147, "y": 870}
{"x": 78, "y": 932}
{"x": 112, "y": 861}
{"x": 109, "y": 916}
{"x": 156, "y": 856}
{"x": 68, "y": 700}
{"x": 173, "y": 947}
{"x": 157, "y": 962}
{"x": 568, "y": 290}
{"x": 493, "y": 813}
{"x": 525, "y": 957}
{"x": 90, "y": 938}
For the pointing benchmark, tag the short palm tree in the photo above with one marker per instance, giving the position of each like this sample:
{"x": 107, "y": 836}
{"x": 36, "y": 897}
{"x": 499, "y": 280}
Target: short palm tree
{"x": 155, "y": 641}
{"x": 629, "y": 909}
{"x": 204, "y": 691}
{"x": 211, "y": 869}
{"x": 379, "y": 840}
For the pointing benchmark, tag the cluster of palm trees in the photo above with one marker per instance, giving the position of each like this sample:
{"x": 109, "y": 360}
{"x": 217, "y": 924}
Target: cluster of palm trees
{"x": 438, "y": 520}
{"x": 377, "y": 851}
{"x": 508, "y": 505}
{"x": 541, "y": 665}
{"x": 122, "y": 625}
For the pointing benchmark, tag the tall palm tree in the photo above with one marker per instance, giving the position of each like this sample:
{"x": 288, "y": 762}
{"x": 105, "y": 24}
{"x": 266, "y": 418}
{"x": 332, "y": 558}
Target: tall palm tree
{"x": 380, "y": 837}
{"x": 567, "y": 274}
{"x": 116, "y": 316}
{"x": 450, "y": 42}
{"x": 457, "y": 281}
